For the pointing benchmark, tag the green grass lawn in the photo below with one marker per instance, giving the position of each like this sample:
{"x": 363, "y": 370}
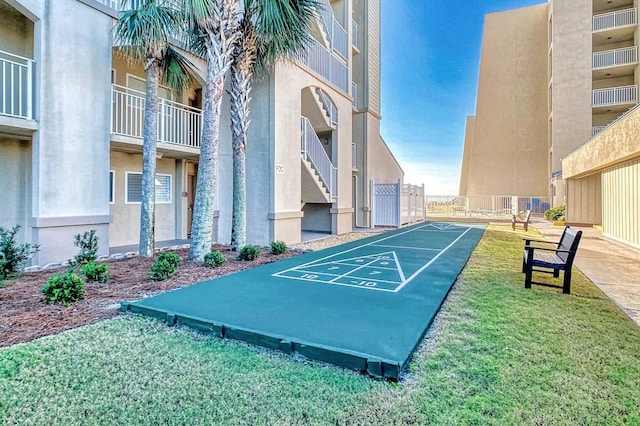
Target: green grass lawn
{"x": 497, "y": 354}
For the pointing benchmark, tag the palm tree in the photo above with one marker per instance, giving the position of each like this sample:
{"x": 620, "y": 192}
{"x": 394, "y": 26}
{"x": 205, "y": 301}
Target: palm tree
{"x": 211, "y": 30}
{"x": 270, "y": 30}
{"x": 145, "y": 33}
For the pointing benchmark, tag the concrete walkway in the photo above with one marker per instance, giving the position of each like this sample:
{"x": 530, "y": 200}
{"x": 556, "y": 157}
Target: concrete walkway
{"x": 614, "y": 268}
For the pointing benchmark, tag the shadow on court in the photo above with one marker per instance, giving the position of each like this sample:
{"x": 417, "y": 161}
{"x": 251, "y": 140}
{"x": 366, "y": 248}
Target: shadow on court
{"x": 364, "y": 305}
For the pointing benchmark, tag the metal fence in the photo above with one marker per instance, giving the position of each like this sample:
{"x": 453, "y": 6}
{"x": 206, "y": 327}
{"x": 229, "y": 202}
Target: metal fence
{"x": 487, "y": 206}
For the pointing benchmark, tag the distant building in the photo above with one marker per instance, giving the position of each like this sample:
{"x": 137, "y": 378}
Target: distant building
{"x": 71, "y": 123}
{"x": 556, "y": 112}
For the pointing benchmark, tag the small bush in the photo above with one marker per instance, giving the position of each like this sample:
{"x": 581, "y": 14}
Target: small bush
{"x": 556, "y": 213}
{"x": 64, "y": 288}
{"x": 95, "y": 272}
{"x": 249, "y": 252}
{"x": 215, "y": 259}
{"x": 88, "y": 245}
{"x": 13, "y": 256}
{"x": 165, "y": 266}
{"x": 278, "y": 247}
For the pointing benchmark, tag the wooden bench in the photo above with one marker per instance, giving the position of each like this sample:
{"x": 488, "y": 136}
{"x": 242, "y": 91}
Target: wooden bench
{"x": 515, "y": 220}
{"x": 551, "y": 260}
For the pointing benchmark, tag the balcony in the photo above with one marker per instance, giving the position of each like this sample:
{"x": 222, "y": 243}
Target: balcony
{"x": 354, "y": 34}
{"x": 178, "y": 124}
{"x": 354, "y": 94}
{"x": 354, "y": 156}
{"x": 615, "y": 57}
{"x": 323, "y": 62}
{"x": 337, "y": 35}
{"x": 16, "y": 86}
{"x": 615, "y": 96}
{"x": 617, "y": 19}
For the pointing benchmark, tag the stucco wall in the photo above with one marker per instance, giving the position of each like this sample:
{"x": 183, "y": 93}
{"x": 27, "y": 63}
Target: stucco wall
{"x": 572, "y": 77}
{"x": 16, "y": 32}
{"x": 15, "y": 181}
{"x": 510, "y": 151}
{"x": 466, "y": 154}
{"x": 125, "y": 228}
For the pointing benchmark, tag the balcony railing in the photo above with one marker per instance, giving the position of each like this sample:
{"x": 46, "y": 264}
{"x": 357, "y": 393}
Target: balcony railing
{"x": 597, "y": 129}
{"x": 354, "y": 94}
{"x": 320, "y": 60}
{"x": 354, "y": 158}
{"x": 354, "y": 34}
{"x": 178, "y": 124}
{"x": 312, "y": 150}
{"x": 16, "y": 86}
{"x": 338, "y": 37}
{"x": 619, "y": 18}
{"x": 615, "y": 57}
{"x": 615, "y": 95}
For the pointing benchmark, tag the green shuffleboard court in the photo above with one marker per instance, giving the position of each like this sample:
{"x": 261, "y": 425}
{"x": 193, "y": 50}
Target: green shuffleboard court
{"x": 364, "y": 305}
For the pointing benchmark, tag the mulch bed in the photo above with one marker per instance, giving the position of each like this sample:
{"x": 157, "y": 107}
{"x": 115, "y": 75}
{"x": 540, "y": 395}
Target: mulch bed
{"x": 24, "y": 314}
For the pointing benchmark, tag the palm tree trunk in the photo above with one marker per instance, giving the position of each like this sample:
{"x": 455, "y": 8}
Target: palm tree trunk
{"x": 240, "y": 98}
{"x": 147, "y": 208}
{"x": 206, "y": 187}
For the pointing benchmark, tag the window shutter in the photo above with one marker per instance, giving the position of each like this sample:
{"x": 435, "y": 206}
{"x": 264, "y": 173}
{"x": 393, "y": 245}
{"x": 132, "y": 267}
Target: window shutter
{"x": 134, "y": 187}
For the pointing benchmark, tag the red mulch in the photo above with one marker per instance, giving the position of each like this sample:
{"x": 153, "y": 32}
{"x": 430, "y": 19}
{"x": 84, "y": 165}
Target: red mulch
{"x": 24, "y": 314}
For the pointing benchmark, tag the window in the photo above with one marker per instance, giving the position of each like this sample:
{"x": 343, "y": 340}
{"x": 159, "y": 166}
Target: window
{"x": 112, "y": 187}
{"x": 134, "y": 188}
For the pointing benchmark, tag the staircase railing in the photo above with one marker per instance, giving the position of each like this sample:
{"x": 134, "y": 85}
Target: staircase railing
{"x": 336, "y": 33}
{"x": 328, "y": 106}
{"x": 313, "y": 151}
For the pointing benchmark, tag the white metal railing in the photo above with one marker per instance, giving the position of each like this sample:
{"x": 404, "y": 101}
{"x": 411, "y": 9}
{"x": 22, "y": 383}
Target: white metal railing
{"x": 354, "y": 33}
{"x": 619, "y": 18}
{"x": 597, "y": 129}
{"x": 312, "y": 150}
{"x": 354, "y": 94}
{"x": 615, "y": 95}
{"x": 489, "y": 206}
{"x": 320, "y": 60}
{"x": 16, "y": 85}
{"x": 177, "y": 123}
{"x": 610, "y": 58}
{"x": 328, "y": 106}
{"x": 354, "y": 156}
{"x": 337, "y": 35}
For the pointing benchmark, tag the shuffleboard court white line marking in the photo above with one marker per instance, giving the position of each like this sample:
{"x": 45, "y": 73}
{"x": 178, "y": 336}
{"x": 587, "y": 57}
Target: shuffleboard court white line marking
{"x": 415, "y": 274}
{"x": 354, "y": 270}
{"x": 399, "y": 267}
{"x": 407, "y": 248}
{"x": 353, "y": 248}
{"x": 347, "y": 275}
{"x": 342, "y": 284}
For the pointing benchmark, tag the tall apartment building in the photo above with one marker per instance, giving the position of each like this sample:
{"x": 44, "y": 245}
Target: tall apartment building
{"x": 71, "y": 115}
{"x": 555, "y": 112}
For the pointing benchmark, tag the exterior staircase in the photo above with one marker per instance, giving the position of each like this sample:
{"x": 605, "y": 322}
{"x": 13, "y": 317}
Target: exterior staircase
{"x": 319, "y": 177}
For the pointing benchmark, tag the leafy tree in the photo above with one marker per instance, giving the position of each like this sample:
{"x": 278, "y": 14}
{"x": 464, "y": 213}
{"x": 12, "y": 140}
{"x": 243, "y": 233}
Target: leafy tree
{"x": 144, "y": 34}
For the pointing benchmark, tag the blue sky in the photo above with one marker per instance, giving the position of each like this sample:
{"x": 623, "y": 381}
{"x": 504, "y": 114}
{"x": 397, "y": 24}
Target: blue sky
{"x": 430, "y": 59}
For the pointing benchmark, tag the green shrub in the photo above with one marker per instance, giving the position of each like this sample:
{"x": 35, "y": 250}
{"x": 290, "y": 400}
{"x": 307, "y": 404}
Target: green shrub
{"x": 88, "y": 245}
{"x": 13, "y": 256}
{"x": 215, "y": 259}
{"x": 249, "y": 252}
{"x": 556, "y": 213}
{"x": 96, "y": 272}
{"x": 278, "y": 247}
{"x": 64, "y": 288}
{"x": 165, "y": 266}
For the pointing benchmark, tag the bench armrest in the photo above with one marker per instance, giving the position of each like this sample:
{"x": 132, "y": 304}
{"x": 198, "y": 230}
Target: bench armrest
{"x": 528, "y": 240}
{"x": 547, "y": 249}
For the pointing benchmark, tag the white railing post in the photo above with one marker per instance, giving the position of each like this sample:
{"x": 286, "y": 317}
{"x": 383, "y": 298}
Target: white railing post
{"x": 30, "y": 90}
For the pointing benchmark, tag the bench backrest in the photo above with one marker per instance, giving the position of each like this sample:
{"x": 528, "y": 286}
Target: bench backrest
{"x": 527, "y": 216}
{"x": 569, "y": 241}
